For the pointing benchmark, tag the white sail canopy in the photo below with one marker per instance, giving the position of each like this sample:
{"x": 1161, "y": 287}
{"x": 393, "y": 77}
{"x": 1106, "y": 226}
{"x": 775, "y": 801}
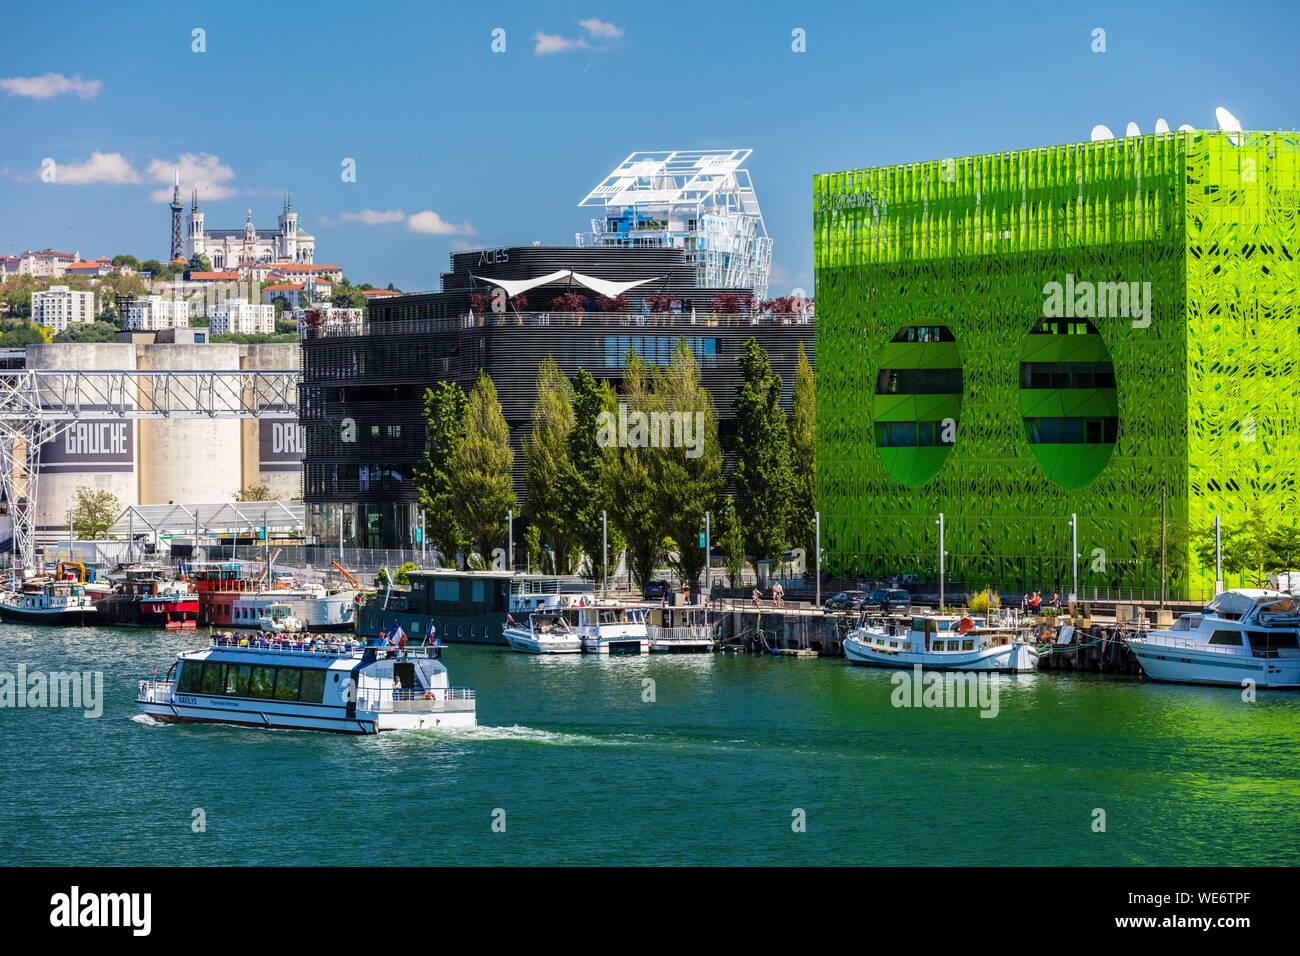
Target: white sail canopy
{"x": 514, "y": 287}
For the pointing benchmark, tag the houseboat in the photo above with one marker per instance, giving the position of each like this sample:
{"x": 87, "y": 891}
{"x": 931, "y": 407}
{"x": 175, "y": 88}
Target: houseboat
{"x": 610, "y": 628}
{"x": 941, "y": 642}
{"x": 680, "y": 629}
{"x": 544, "y": 632}
{"x": 150, "y": 597}
{"x": 51, "y": 603}
{"x": 335, "y": 685}
{"x": 1243, "y": 634}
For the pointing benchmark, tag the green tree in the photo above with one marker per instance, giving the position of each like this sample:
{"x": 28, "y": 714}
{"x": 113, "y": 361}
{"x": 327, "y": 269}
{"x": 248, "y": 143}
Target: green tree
{"x": 732, "y": 541}
{"x": 803, "y": 459}
{"x": 550, "y": 474}
{"x": 533, "y": 546}
{"x": 764, "y": 479}
{"x": 480, "y": 468}
{"x": 97, "y": 331}
{"x": 592, "y": 398}
{"x": 256, "y": 492}
{"x": 1284, "y": 549}
{"x": 444, "y": 425}
{"x": 200, "y": 263}
{"x": 688, "y": 474}
{"x": 94, "y": 512}
{"x": 631, "y": 484}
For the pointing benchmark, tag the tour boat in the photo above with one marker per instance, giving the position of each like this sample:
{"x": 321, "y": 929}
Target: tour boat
{"x": 941, "y": 642}
{"x": 679, "y": 629}
{"x": 55, "y": 602}
{"x": 545, "y": 632}
{"x": 150, "y": 597}
{"x": 321, "y": 684}
{"x": 1243, "y": 634}
{"x": 610, "y": 629}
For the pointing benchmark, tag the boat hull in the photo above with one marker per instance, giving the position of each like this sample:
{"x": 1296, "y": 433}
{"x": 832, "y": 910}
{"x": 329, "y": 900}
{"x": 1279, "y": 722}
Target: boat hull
{"x": 289, "y": 717}
{"x": 681, "y": 647}
{"x": 54, "y": 617}
{"x": 527, "y": 644}
{"x": 615, "y": 645}
{"x": 1004, "y": 658}
{"x": 1187, "y": 665}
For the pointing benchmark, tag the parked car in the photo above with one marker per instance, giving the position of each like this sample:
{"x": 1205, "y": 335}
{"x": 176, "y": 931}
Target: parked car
{"x": 844, "y": 600}
{"x": 655, "y": 590}
{"x": 887, "y": 601}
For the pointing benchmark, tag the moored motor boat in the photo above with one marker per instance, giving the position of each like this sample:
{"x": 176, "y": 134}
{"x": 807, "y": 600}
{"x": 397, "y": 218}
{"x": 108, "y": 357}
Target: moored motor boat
{"x": 942, "y": 642}
{"x": 544, "y": 632}
{"x": 52, "y": 603}
{"x": 1244, "y": 634}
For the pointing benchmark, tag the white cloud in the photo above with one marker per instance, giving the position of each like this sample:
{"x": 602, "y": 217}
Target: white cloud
{"x": 601, "y": 28}
{"x": 430, "y": 223}
{"x": 374, "y": 217}
{"x": 547, "y": 43}
{"x": 201, "y": 171}
{"x": 111, "y": 168}
{"x": 49, "y": 85}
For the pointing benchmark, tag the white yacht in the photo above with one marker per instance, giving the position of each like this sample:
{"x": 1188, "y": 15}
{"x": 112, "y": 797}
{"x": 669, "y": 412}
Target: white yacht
{"x": 680, "y": 629}
{"x": 545, "y": 632}
{"x": 610, "y": 629}
{"x": 278, "y": 618}
{"x": 55, "y": 602}
{"x": 942, "y": 642}
{"x": 321, "y": 684}
{"x": 1245, "y": 633}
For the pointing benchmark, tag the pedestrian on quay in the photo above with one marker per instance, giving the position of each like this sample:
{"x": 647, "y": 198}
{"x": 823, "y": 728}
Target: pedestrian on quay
{"x": 778, "y": 594}
{"x": 758, "y": 597}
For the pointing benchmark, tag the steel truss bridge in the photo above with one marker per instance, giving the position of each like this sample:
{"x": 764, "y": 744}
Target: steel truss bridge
{"x": 39, "y": 405}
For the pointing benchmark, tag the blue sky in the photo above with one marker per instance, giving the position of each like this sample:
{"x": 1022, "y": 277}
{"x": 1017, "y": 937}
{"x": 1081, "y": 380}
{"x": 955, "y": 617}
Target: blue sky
{"x": 501, "y": 146}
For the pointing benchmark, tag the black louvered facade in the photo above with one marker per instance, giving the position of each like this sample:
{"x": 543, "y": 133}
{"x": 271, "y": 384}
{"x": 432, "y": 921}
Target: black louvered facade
{"x": 374, "y": 378}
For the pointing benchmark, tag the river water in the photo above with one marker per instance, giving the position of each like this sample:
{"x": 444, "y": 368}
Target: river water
{"x": 736, "y": 760}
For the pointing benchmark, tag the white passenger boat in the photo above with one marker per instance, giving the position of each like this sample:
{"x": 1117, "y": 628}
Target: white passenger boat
{"x": 610, "y": 629}
{"x": 544, "y": 632}
{"x": 55, "y": 602}
{"x": 942, "y": 642}
{"x": 278, "y": 619}
{"x": 1244, "y": 633}
{"x": 335, "y": 685}
{"x": 680, "y": 629}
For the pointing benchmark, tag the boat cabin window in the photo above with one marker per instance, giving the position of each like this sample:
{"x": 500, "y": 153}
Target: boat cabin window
{"x": 237, "y": 677}
{"x": 287, "y": 680}
{"x": 968, "y": 645}
{"x": 242, "y": 680}
{"x": 1266, "y": 642}
{"x": 262, "y": 682}
{"x": 312, "y": 688}
{"x": 1227, "y": 637}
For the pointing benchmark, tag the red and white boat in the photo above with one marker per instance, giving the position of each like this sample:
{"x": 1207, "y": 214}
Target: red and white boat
{"x": 151, "y": 597}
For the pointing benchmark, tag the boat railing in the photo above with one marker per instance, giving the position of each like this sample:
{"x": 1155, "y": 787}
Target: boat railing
{"x": 319, "y": 647}
{"x": 690, "y": 632}
{"x": 1232, "y": 650}
{"x": 157, "y": 690}
{"x": 401, "y": 701}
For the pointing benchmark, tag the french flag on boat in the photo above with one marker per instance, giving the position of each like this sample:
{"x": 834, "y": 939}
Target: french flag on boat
{"x": 397, "y": 635}
{"x": 431, "y": 633}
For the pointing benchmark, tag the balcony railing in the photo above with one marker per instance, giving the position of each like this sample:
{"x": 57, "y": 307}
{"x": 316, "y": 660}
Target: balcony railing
{"x": 693, "y": 319}
{"x": 437, "y": 701}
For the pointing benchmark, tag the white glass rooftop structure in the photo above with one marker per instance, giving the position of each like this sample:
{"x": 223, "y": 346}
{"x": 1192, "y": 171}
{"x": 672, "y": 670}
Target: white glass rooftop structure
{"x": 698, "y": 200}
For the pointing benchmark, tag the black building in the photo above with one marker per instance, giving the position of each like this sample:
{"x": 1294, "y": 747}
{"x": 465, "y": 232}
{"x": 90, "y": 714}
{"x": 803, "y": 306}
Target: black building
{"x": 361, "y": 398}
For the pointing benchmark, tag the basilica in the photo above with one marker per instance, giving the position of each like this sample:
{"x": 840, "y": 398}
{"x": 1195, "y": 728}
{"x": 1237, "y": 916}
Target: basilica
{"x": 228, "y": 248}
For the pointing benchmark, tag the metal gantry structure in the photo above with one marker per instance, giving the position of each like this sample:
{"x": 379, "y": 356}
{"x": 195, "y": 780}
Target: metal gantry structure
{"x": 38, "y": 405}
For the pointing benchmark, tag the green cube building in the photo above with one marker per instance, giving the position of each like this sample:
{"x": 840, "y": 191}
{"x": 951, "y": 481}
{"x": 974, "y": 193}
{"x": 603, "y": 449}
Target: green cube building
{"x": 1108, "y": 329}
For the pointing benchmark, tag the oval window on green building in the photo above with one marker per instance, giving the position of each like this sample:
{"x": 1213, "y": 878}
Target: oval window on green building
{"x": 1068, "y": 400}
{"x": 918, "y": 402}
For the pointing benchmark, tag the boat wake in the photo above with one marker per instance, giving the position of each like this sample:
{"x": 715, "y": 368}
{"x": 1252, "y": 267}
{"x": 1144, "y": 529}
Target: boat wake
{"x": 513, "y": 734}
{"x": 149, "y": 721}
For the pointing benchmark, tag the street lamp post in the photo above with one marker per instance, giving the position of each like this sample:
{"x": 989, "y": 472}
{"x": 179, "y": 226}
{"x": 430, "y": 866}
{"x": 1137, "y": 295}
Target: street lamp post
{"x": 510, "y": 540}
{"x": 1218, "y": 557}
{"x": 604, "y": 554}
{"x": 817, "y": 558}
{"x": 941, "y": 567}
{"x": 708, "y": 547}
{"x": 1074, "y": 557}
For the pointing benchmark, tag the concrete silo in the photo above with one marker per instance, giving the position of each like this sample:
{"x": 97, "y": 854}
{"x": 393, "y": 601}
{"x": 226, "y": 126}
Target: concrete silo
{"x": 98, "y": 454}
{"x": 189, "y": 460}
{"x": 273, "y": 445}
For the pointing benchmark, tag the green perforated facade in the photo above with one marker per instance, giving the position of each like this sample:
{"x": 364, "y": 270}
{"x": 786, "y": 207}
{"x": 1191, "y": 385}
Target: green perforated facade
{"x": 1013, "y": 337}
